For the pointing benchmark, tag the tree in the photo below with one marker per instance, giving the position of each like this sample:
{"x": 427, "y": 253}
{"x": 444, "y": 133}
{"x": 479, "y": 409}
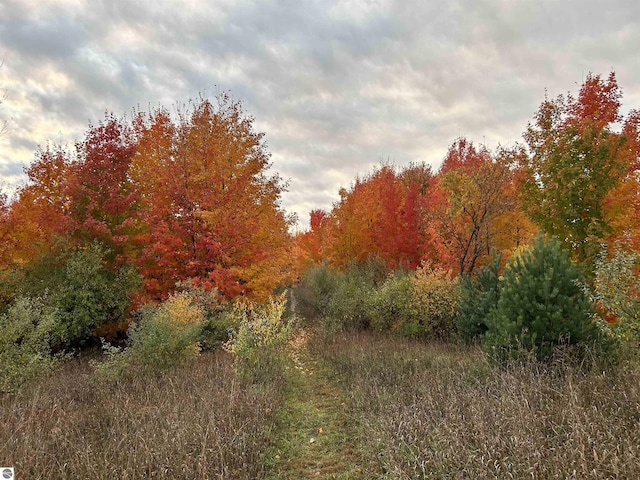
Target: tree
{"x": 79, "y": 285}
{"x": 102, "y": 197}
{"x": 478, "y": 297}
{"x": 210, "y": 210}
{"x": 542, "y": 304}
{"x": 378, "y": 216}
{"x": 41, "y": 212}
{"x": 575, "y": 160}
{"x": 617, "y": 290}
{"x": 470, "y": 197}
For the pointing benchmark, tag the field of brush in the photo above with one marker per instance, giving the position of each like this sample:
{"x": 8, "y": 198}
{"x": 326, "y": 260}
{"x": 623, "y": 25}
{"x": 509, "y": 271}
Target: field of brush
{"x": 411, "y": 410}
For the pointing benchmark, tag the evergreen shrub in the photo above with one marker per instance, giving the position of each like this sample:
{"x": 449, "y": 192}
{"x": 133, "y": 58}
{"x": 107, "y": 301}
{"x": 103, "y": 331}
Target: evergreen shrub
{"x": 542, "y": 306}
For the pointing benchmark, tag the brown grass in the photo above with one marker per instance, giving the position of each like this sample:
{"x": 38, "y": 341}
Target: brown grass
{"x": 197, "y": 421}
{"x": 444, "y": 412}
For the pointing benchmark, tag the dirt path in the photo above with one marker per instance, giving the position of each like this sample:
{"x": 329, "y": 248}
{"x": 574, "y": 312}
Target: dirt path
{"x": 314, "y": 439}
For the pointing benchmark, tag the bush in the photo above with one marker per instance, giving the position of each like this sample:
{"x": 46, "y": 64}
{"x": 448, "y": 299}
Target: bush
{"x": 258, "y": 341}
{"x": 617, "y": 289}
{"x": 542, "y": 305}
{"x": 478, "y": 297}
{"x": 314, "y": 293}
{"x": 349, "y": 307}
{"x": 391, "y": 307}
{"x": 25, "y": 336}
{"x": 435, "y": 297}
{"x": 218, "y": 316}
{"x": 78, "y": 284}
{"x": 341, "y": 299}
{"x": 164, "y": 336}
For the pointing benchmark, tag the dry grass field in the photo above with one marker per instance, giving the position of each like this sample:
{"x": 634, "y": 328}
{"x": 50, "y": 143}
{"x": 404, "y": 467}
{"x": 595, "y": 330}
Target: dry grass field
{"x": 345, "y": 407}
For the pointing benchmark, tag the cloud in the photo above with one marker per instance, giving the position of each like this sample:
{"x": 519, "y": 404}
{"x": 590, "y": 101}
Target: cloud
{"x": 338, "y": 86}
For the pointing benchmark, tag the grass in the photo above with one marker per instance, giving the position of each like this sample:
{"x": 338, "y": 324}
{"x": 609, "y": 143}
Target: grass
{"x": 195, "y": 422}
{"x": 353, "y": 406}
{"x": 315, "y": 436}
{"x": 443, "y": 412}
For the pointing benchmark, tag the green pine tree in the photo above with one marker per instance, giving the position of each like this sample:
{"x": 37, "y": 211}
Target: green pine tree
{"x": 542, "y": 304}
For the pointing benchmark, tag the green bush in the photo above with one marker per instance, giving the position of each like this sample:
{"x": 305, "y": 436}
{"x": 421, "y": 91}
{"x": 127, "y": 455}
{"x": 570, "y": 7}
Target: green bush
{"x": 313, "y": 294}
{"x": 349, "y": 305}
{"x": 164, "y": 336}
{"x": 478, "y": 297}
{"x": 617, "y": 289}
{"x": 341, "y": 299}
{"x": 218, "y": 315}
{"x": 542, "y": 305}
{"x": 77, "y": 283}
{"x": 391, "y": 307}
{"x": 25, "y": 337}
{"x": 260, "y": 337}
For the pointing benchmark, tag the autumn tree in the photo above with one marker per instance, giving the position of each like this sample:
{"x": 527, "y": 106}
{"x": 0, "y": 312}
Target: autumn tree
{"x": 378, "y": 217}
{"x": 466, "y": 204}
{"x": 211, "y": 210}
{"x": 102, "y": 196}
{"x": 41, "y": 211}
{"x": 576, "y": 159}
{"x": 310, "y": 246}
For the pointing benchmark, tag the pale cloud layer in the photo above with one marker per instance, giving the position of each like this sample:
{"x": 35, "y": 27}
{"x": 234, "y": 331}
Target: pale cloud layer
{"x": 337, "y": 86}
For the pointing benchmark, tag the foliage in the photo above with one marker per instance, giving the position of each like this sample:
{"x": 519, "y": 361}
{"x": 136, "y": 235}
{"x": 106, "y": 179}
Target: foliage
{"x": 469, "y": 203}
{"x": 259, "y": 338}
{"x": 314, "y": 292}
{"x": 25, "y": 336}
{"x": 478, "y": 297}
{"x": 209, "y": 208}
{"x": 349, "y": 306}
{"x": 86, "y": 294}
{"x": 542, "y": 305}
{"x": 342, "y": 299}
{"x": 379, "y": 216}
{"x": 184, "y": 198}
{"x": 217, "y": 314}
{"x": 576, "y": 160}
{"x": 392, "y": 307}
{"x": 435, "y": 298}
{"x": 617, "y": 289}
{"x": 164, "y": 336}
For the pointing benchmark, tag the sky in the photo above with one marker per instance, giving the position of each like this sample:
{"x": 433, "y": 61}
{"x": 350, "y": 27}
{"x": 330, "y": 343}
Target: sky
{"x": 338, "y": 87}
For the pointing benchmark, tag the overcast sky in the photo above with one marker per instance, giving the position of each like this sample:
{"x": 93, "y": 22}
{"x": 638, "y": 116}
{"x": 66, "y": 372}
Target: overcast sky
{"x": 336, "y": 86}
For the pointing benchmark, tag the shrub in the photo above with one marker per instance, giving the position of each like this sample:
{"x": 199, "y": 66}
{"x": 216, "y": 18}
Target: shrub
{"x": 435, "y": 297}
{"x": 258, "y": 340}
{"x": 164, "y": 336}
{"x": 349, "y": 305}
{"x": 218, "y": 317}
{"x": 314, "y": 293}
{"x": 542, "y": 305}
{"x": 617, "y": 289}
{"x": 341, "y": 299}
{"x": 478, "y": 297}
{"x": 25, "y": 336}
{"x": 78, "y": 284}
{"x": 391, "y": 307}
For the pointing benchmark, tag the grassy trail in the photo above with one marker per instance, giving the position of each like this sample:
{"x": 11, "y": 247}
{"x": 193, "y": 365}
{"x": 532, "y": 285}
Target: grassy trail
{"x": 315, "y": 439}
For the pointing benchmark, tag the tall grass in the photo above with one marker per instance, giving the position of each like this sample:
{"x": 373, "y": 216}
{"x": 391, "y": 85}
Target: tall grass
{"x": 445, "y": 412}
{"x": 196, "y": 421}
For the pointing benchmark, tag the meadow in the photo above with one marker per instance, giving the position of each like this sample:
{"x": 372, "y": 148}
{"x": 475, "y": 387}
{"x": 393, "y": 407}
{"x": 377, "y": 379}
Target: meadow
{"x": 345, "y": 405}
